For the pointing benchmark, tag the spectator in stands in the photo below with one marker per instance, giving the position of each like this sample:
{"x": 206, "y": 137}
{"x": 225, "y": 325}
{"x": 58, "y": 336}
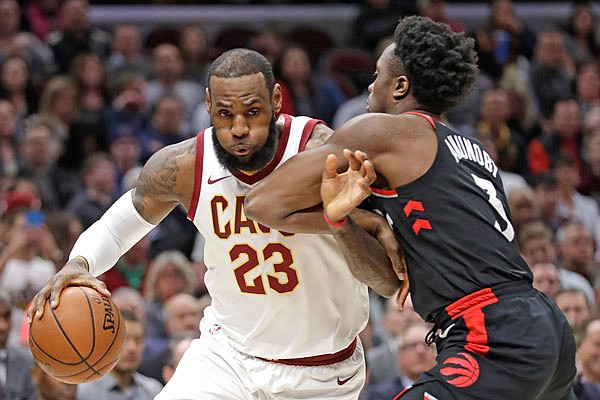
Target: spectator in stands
{"x": 127, "y": 54}
{"x": 66, "y": 228}
{"x": 77, "y": 35}
{"x": 536, "y": 241}
{"x": 182, "y": 314}
{"x": 126, "y": 152}
{"x": 58, "y": 108}
{"x": 375, "y": 20}
{"x": 15, "y": 362}
{"x": 493, "y": 123}
{"x": 545, "y": 278}
{"x": 124, "y": 382}
{"x": 546, "y": 191}
{"x": 29, "y": 256}
{"x": 572, "y": 205}
{"x": 130, "y": 300}
{"x": 49, "y": 388}
{"x": 587, "y": 86}
{"x": 38, "y": 153}
{"x": 13, "y": 41}
{"x": 168, "y": 70}
{"x": 436, "y": 10}
{"x": 576, "y": 307}
{"x": 414, "y": 357}
{"x": 523, "y": 206}
{"x": 382, "y": 357}
{"x": 131, "y": 269}
{"x": 170, "y": 273}
{"x": 576, "y": 249}
{"x": 42, "y": 16}
{"x": 564, "y": 134}
{"x": 582, "y": 30}
{"x": 591, "y": 181}
{"x": 195, "y": 51}
{"x": 177, "y": 348}
{"x": 587, "y": 385}
{"x": 167, "y": 126}
{"x": 129, "y": 114}
{"x": 552, "y": 71}
{"x": 503, "y": 39}
{"x": 98, "y": 175}
{"x": 16, "y": 87}
{"x": 8, "y": 139}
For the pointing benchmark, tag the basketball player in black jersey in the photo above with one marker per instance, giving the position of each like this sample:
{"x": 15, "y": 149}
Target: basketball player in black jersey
{"x": 496, "y": 336}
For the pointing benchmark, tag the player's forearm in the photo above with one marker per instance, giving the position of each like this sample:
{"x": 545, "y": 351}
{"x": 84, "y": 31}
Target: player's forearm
{"x": 366, "y": 258}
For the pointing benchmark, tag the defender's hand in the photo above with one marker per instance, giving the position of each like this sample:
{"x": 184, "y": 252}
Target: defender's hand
{"x": 341, "y": 193}
{"x": 73, "y": 273}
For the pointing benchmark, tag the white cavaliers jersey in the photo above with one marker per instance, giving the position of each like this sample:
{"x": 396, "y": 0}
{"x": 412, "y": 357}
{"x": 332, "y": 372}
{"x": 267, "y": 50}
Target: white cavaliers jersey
{"x": 275, "y": 294}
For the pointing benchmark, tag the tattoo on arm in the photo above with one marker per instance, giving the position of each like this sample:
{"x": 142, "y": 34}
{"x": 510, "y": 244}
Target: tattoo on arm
{"x": 159, "y": 184}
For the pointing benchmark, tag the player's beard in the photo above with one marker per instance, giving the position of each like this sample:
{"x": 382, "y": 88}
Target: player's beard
{"x": 258, "y": 160}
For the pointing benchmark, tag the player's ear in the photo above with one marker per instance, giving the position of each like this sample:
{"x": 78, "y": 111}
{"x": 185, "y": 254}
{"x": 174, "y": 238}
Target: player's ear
{"x": 401, "y": 87}
{"x": 207, "y": 100}
{"x": 276, "y": 98}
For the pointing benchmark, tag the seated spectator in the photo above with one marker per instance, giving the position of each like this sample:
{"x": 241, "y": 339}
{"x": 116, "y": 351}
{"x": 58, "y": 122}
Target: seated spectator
{"x": 123, "y": 382}
{"x": 523, "y": 206}
{"x": 177, "y": 348}
{"x": 413, "y": 358}
{"x": 576, "y": 307}
{"x": 575, "y": 244}
{"x": 546, "y": 279}
{"x": 169, "y": 273}
{"x": 382, "y": 357}
{"x": 587, "y": 385}
{"x": 536, "y": 241}
{"x": 8, "y": 139}
{"x": 15, "y": 362}
{"x": 38, "y": 153}
{"x": 76, "y": 35}
{"x": 126, "y": 54}
{"x": 49, "y": 388}
{"x": 98, "y": 175}
{"x": 131, "y": 269}
{"x": 195, "y": 51}
{"x": 16, "y": 87}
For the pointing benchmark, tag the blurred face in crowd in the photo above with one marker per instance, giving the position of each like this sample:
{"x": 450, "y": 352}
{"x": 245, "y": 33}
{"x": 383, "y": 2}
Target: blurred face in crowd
{"x": 414, "y": 355}
{"x": 295, "y": 66}
{"x": 75, "y": 15}
{"x": 588, "y": 353}
{"x": 170, "y": 282}
{"x": 133, "y": 347}
{"x": 545, "y": 278}
{"x": 167, "y": 62}
{"x": 9, "y": 16}
{"x": 577, "y": 246}
{"x": 50, "y": 388}
{"x": 15, "y": 74}
{"x": 565, "y": 118}
{"x": 182, "y": 313}
{"x": 8, "y": 119}
{"x": 588, "y": 82}
{"x": 575, "y": 307}
{"x": 539, "y": 249}
{"x": 495, "y": 106}
{"x": 5, "y": 323}
{"x": 549, "y": 49}
{"x": 523, "y": 206}
{"x": 127, "y": 40}
{"x": 168, "y": 116}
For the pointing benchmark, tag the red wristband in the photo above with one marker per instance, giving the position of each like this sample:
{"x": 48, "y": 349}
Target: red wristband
{"x": 334, "y": 223}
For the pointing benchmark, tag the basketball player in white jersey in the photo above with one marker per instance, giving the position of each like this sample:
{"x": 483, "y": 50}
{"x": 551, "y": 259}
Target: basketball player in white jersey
{"x": 286, "y": 311}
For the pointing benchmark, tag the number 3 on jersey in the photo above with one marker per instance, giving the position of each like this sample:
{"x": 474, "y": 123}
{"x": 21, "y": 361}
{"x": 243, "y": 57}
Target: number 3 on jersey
{"x": 488, "y": 187}
{"x": 253, "y": 260}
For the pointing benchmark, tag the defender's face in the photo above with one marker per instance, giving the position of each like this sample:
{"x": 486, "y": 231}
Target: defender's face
{"x": 380, "y": 91}
{"x": 241, "y": 110}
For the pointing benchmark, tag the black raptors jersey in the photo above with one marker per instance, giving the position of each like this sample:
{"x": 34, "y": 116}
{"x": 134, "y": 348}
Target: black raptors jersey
{"x": 454, "y": 225}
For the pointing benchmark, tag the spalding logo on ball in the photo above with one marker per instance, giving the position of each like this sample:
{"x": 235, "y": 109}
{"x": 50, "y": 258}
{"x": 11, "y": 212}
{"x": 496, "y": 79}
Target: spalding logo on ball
{"x": 81, "y": 339}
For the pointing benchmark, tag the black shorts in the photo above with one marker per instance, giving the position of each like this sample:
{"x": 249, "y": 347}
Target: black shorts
{"x": 505, "y": 343}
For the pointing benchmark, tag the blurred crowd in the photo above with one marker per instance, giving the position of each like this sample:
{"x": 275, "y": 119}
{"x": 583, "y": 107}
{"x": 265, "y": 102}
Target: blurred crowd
{"x": 83, "y": 107}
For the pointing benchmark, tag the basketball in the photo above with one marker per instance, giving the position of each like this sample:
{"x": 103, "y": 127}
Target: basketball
{"x": 81, "y": 339}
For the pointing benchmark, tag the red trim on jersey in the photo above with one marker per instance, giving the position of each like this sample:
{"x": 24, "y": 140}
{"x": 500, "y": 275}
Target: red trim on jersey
{"x": 197, "y": 176}
{"x": 469, "y": 307}
{"x": 429, "y": 118}
{"x": 402, "y": 392}
{"x": 306, "y": 132}
{"x": 384, "y": 192}
{"x": 314, "y": 361}
{"x": 285, "y": 135}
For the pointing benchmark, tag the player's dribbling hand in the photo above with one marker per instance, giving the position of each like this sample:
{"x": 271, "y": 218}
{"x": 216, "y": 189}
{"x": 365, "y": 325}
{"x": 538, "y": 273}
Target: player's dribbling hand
{"x": 342, "y": 193}
{"x": 73, "y": 273}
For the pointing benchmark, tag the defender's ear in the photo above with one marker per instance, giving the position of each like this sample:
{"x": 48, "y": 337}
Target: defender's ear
{"x": 207, "y": 100}
{"x": 401, "y": 88}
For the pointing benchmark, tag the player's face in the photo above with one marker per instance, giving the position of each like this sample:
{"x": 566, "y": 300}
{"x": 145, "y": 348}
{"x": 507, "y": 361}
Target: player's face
{"x": 242, "y": 111}
{"x": 380, "y": 91}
